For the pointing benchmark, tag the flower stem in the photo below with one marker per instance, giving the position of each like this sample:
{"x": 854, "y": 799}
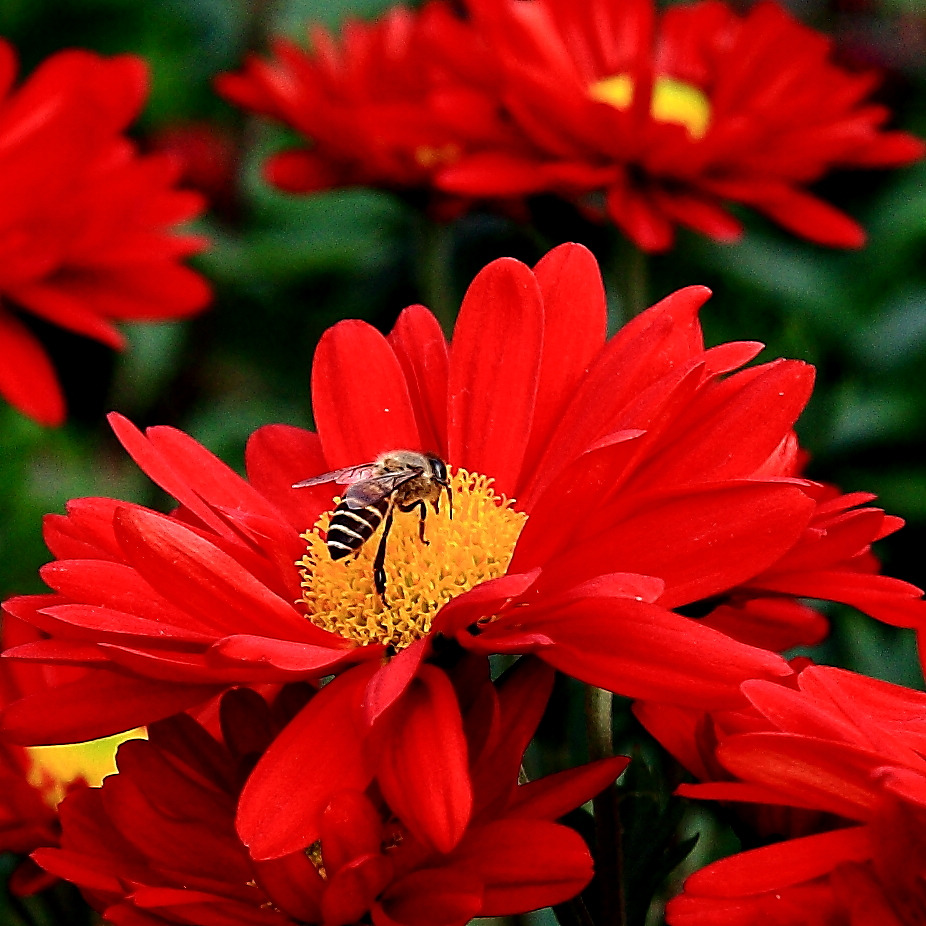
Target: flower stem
{"x": 628, "y": 277}
{"x": 434, "y": 265}
{"x": 609, "y": 862}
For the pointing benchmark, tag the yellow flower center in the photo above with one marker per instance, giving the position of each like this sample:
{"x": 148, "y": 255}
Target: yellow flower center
{"x": 54, "y": 768}
{"x": 473, "y": 547}
{"x": 428, "y": 156}
{"x": 673, "y": 101}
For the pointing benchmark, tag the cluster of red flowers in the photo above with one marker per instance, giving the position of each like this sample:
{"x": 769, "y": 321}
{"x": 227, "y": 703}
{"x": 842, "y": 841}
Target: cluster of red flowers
{"x": 835, "y": 765}
{"x": 699, "y": 505}
{"x": 652, "y": 120}
{"x": 87, "y": 225}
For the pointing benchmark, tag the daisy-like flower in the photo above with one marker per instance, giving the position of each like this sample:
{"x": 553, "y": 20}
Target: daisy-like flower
{"x": 847, "y": 753}
{"x": 34, "y": 780}
{"x": 362, "y": 102}
{"x": 598, "y": 486}
{"x": 660, "y": 120}
{"x": 428, "y": 825}
{"x": 87, "y": 225}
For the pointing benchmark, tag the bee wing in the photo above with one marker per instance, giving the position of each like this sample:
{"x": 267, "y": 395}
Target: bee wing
{"x": 341, "y": 476}
{"x": 370, "y": 491}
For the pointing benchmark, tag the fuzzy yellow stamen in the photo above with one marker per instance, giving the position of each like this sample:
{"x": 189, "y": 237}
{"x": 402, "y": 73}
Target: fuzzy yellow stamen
{"x": 473, "y": 547}
{"x": 54, "y": 768}
{"x": 673, "y": 101}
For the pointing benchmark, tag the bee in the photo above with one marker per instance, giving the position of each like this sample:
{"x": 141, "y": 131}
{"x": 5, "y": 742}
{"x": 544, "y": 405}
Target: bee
{"x": 400, "y": 479}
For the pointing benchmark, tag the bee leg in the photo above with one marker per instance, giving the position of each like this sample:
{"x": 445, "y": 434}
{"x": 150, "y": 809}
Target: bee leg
{"x": 379, "y": 573}
{"x": 422, "y": 514}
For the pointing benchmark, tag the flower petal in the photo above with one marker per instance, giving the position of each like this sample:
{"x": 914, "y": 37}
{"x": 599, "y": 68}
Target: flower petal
{"x": 27, "y": 379}
{"x": 357, "y": 424}
{"x": 320, "y": 752}
{"x": 494, "y": 367}
{"x": 421, "y": 349}
{"x": 422, "y": 762}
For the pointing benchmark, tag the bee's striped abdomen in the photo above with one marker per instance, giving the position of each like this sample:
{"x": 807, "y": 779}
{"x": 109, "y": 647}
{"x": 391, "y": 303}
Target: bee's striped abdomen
{"x": 351, "y": 527}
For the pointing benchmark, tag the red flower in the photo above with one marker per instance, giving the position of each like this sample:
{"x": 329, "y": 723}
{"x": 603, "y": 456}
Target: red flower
{"x": 596, "y": 486}
{"x": 86, "y": 224}
{"x": 845, "y": 753}
{"x": 363, "y": 103}
{"x": 33, "y": 781}
{"x": 209, "y": 159}
{"x": 659, "y": 120}
{"x": 431, "y": 826}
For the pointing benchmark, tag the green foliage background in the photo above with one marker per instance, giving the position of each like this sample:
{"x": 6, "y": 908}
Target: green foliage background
{"x": 285, "y": 268}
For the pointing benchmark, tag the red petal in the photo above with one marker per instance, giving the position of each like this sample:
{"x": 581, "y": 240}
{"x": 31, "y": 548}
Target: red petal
{"x": 351, "y": 827}
{"x": 634, "y": 649}
{"x": 288, "y": 656}
{"x": 320, "y": 753}
{"x": 422, "y": 763}
{"x": 359, "y": 396}
{"x": 553, "y": 796}
{"x": 882, "y": 597}
{"x": 391, "y": 681}
{"x": 494, "y": 367}
{"x": 162, "y": 472}
{"x": 526, "y": 864}
{"x": 781, "y": 865}
{"x": 657, "y": 343}
{"x": 27, "y": 379}
{"x": 813, "y": 219}
{"x": 575, "y": 316}
{"x": 732, "y": 427}
{"x": 351, "y": 891}
{"x": 99, "y": 704}
{"x": 430, "y": 897}
{"x": 699, "y": 542}
{"x": 197, "y": 576}
{"x": 421, "y": 348}
{"x": 279, "y": 455}
{"x": 486, "y": 598}
{"x": 834, "y": 776}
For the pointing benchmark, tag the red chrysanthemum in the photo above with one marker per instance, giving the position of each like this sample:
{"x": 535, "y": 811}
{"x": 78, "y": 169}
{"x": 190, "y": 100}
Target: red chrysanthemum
{"x": 845, "y": 752}
{"x": 597, "y": 487}
{"x": 33, "y": 781}
{"x": 427, "y": 826}
{"x": 87, "y": 226}
{"x": 362, "y": 102}
{"x": 659, "y": 120}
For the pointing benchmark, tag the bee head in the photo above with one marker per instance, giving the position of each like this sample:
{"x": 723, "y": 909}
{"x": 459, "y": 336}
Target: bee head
{"x": 439, "y": 471}
{"x": 440, "y": 476}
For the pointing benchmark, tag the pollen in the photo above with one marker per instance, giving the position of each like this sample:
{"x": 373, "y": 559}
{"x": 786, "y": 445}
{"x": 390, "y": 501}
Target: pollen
{"x": 474, "y": 546}
{"x": 54, "y": 769}
{"x": 674, "y": 101}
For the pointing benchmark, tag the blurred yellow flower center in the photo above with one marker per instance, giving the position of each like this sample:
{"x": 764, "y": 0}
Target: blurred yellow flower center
{"x": 673, "y": 101}
{"x": 473, "y": 547}
{"x": 428, "y": 156}
{"x": 54, "y": 768}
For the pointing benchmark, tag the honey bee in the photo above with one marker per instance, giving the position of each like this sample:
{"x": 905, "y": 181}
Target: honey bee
{"x": 400, "y": 479}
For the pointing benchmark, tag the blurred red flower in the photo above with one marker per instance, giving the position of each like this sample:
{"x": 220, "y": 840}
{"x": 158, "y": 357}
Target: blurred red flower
{"x": 842, "y": 758}
{"x": 208, "y": 156}
{"x": 87, "y": 226}
{"x": 348, "y": 833}
{"x": 658, "y": 120}
{"x": 597, "y": 487}
{"x": 362, "y": 103}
